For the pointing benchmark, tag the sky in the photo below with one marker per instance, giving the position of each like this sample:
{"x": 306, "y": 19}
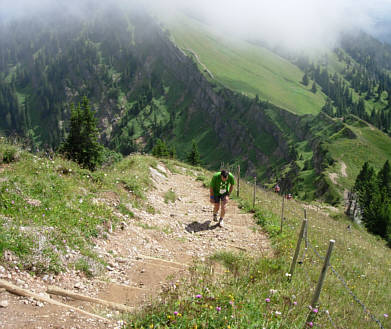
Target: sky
{"x": 295, "y": 24}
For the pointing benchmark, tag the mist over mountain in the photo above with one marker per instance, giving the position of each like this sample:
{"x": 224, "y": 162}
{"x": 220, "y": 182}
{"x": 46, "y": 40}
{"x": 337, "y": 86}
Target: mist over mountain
{"x": 146, "y": 83}
{"x": 296, "y": 25}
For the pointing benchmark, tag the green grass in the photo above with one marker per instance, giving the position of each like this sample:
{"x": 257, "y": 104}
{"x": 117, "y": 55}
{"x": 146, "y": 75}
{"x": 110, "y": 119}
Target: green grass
{"x": 252, "y": 292}
{"x": 247, "y": 68}
{"x": 47, "y": 205}
{"x": 169, "y": 196}
{"x": 370, "y": 145}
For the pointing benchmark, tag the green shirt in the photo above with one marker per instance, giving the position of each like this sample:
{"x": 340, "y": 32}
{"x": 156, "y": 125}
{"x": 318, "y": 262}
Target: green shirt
{"x": 220, "y": 187}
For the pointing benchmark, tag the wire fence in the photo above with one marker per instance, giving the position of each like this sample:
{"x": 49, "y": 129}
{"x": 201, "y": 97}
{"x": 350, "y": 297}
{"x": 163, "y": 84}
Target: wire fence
{"x": 291, "y": 212}
{"x": 345, "y": 285}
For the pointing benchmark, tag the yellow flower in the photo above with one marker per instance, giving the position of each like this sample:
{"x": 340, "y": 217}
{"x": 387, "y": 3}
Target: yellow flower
{"x": 151, "y": 325}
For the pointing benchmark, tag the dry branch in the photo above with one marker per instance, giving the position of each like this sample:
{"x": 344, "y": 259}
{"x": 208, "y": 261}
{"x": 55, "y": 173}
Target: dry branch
{"x": 65, "y": 293}
{"x": 26, "y": 293}
{"x": 163, "y": 260}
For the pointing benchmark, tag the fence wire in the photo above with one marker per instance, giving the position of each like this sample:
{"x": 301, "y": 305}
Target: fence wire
{"x": 365, "y": 309}
{"x": 356, "y": 299}
{"x": 330, "y": 319}
{"x": 340, "y": 278}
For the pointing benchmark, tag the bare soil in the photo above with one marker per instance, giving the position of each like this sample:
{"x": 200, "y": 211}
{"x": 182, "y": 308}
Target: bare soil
{"x": 146, "y": 253}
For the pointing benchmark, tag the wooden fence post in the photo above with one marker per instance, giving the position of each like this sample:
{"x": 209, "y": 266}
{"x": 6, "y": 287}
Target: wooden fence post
{"x": 238, "y": 188}
{"x": 255, "y": 185}
{"x": 315, "y": 298}
{"x": 306, "y": 231}
{"x": 294, "y": 260}
{"x": 282, "y": 212}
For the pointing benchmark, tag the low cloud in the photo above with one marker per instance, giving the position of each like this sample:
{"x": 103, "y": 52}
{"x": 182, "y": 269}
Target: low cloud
{"x": 297, "y": 24}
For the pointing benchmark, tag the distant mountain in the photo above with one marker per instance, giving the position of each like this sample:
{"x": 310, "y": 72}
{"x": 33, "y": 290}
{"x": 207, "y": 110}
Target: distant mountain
{"x": 287, "y": 119}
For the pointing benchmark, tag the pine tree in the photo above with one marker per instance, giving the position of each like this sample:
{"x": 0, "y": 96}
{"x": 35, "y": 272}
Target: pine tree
{"x": 160, "y": 149}
{"x": 314, "y": 89}
{"x": 82, "y": 143}
{"x": 194, "y": 156}
{"x": 305, "y": 80}
{"x": 384, "y": 180}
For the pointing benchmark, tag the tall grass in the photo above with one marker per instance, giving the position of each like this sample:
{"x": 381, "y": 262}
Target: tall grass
{"x": 254, "y": 292}
{"x": 50, "y": 207}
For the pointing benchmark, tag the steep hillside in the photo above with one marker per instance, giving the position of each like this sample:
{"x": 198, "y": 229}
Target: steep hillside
{"x": 145, "y": 83}
{"x": 244, "y": 67}
{"x": 141, "y": 86}
{"x": 138, "y": 233}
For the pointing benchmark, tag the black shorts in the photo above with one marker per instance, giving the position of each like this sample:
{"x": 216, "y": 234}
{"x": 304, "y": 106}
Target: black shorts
{"x": 218, "y": 198}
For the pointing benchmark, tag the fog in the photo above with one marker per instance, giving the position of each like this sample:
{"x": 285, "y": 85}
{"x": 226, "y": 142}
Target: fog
{"x": 299, "y": 24}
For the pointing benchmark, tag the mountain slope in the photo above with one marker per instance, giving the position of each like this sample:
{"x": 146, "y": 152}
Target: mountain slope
{"x": 145, "y": 242}
{"x": 115, "y": 233}
{"x": 143, "y": 87}
{"x": 245, "y": 67}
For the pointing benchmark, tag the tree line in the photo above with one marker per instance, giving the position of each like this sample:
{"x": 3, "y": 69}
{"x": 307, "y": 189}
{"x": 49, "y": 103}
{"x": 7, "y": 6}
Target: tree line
{"x": 373, "y": 193}
{"x": 362, "y": 79}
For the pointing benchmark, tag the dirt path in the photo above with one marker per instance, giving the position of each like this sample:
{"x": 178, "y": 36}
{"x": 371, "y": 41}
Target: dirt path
{"x": 150, "y": 248}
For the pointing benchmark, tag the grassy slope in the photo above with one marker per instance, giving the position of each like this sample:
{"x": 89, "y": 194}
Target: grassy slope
{"x": 247, "y": 68}
{"x": 252, "y": 290}
{"x": 360, "y": 258}
{"x": 370, "y": 145}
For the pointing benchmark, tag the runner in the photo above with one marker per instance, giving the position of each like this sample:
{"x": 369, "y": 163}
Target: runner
{"x": 221, "y": 187}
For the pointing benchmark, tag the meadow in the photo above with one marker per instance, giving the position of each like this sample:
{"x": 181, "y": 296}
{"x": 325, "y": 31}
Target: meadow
{"x": 49, "y": 206}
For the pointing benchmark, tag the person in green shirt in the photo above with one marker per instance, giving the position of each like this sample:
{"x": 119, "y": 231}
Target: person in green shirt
{"x": 221, "y": 187}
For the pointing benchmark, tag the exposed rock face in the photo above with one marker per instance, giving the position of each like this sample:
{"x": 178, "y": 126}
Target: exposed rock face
{"x": 234, "y": 119}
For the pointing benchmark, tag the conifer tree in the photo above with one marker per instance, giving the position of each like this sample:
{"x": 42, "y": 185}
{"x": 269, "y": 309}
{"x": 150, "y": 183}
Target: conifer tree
{"x": 82, "y": 143}
{"x": 314, "y": 89}
{"x": 384, "y": 179}
{"x": 194, "y": 156}
{"x": 160, "y": 149}
{"x": 305, "y": 80}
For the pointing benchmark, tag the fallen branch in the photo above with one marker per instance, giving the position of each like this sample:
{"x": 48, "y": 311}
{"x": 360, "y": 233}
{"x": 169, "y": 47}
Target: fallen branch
{"x": 26, "y": 293}
{"x": 65, "y": 293}
{"x": 162, "y": 260}
{"x": 121, "y": 285}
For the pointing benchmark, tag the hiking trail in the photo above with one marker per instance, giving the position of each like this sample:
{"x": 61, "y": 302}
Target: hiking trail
{"x": 141, "y": 255}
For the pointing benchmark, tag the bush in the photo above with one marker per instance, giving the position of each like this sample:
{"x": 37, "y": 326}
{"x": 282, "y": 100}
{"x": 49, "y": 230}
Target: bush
{"x": 9, "y": 154}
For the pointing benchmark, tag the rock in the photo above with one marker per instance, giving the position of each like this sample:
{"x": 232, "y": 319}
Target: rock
{"x": 4, "y": 303}
{"x": 20, "y": 282}
{"x": 78, "y": 285}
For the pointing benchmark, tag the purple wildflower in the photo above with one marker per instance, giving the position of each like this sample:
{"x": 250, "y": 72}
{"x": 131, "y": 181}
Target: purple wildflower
{"x": 267, "y": 300}
{"x": 198, "y": 296}
{"x": 218, "y": 308}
